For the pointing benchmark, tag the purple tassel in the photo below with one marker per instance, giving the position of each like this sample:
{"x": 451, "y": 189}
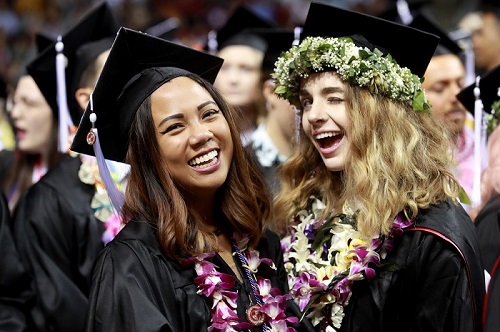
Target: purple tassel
{"x": 116, "y": 196}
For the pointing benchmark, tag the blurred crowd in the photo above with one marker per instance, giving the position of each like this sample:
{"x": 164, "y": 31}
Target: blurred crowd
{"x": 21, "y": 20}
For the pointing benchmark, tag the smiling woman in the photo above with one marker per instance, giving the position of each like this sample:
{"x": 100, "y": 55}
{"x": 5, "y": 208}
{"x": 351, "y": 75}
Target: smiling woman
{"x": 194, "y": 136}
{"x": 368, "y": 208}
{"x": 192, "y": 197}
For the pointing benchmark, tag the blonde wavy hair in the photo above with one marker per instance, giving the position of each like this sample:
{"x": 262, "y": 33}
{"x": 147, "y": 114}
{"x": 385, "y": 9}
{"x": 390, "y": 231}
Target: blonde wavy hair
{"x": 399, "y": 160}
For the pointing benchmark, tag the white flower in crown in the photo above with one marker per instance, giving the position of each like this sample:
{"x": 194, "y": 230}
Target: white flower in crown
{"x": 357, "y": 65}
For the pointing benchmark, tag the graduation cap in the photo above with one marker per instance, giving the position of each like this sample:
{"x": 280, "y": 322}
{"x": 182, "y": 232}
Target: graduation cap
{"x": 446, "y": 44}
{"x": 3, "y": 89}
{"x": 489, "y": 86}
{"x": 278, "y": 40}
{"x": 236, "y": 31}
{"x": 42, "y": 41}
{"x": 490, "y": 5}
{"x": 137, "y": 65}
{"x": 85, "y": 41}
{"x": 410, "y": 47}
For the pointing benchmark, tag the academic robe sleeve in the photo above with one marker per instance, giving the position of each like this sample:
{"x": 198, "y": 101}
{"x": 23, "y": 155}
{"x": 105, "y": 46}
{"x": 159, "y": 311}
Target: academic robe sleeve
{"x": 15, "y": 288}
{"x": 123, "y": 295}
{"x": 135, "y": 288}
{"x": 491, "y": 318}
{"x": 487, "y": 224}
{"x": 59, "y": 240}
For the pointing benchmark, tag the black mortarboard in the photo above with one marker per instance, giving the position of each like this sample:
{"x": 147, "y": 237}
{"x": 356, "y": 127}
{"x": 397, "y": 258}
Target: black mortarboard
{"x": 235, "y": 31}
{"x": 488, "y": 91}
{"x": 446, "y": 44}
{"x": 137, "y": 65}
{"x": 90, "y": 37}
{"x": 278, "y": 40}
{"x": 490, "y": 5}
{"x": 410, "y": 47}
{"x": 3, "y": 89}
{"x": 42, "y": 42}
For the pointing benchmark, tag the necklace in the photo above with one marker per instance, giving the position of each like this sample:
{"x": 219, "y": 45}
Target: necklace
{"x": 268, "y": 311}
{"x": 253, "y": 314}
{"x": 325, "y": 257}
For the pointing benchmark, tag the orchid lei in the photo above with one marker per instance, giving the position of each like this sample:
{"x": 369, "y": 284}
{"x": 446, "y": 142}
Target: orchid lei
{"x": 217, "y": 287}
{"x": 324, "y": 258}
{"x": 101, "y": 204}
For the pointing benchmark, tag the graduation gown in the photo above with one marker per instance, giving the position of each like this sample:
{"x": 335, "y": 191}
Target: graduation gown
{"x": 7, "y": 160}
{"x": 136, "y": 288}
{"x": 15, "y": 291}
{"x": 488, "y": 229}
{"x": 434, "y": 289}
{"x": 491, "y": 316}
{"x": 59, "y": 239}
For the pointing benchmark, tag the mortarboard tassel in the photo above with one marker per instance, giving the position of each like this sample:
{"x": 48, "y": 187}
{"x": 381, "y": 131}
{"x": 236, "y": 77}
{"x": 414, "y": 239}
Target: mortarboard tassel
{"x": 296, "y": 35}
{"x": 116, "y": 196}
{"x": 404, "y": 12}
{"x": 296, "y": 41}
{"x": 479, "y": 140}
{"x": 212, "y": 42}
{"x": 66, "y": 126}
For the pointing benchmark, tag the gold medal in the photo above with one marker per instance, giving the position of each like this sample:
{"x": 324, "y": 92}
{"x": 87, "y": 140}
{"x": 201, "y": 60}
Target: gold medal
{"x": 90, "y": 138}
{"x": 254, "y": 316}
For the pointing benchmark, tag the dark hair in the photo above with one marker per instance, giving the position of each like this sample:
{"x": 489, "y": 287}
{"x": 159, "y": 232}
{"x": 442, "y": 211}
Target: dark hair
{"x": 152, "y": 196}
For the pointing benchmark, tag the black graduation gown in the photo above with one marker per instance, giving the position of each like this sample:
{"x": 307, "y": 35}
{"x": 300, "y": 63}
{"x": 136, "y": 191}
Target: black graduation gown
{"x": 15, "y": 291}
{"x": 7, "y": 160}
{"x": 59, "y": 239}
{"x": 431, "y": 290}
{"x": 136, "y": 288}
{"x": 488, "y": 229}
{"x": 491, "y": 315}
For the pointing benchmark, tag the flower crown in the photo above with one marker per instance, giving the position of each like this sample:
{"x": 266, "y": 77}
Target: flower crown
{"x": 493, "y": 117}
{"x": 356, "y": 65}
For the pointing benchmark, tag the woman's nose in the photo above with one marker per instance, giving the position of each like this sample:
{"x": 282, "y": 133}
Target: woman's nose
{"x": 315, "y": 115}
{"x": 200, "y": 135}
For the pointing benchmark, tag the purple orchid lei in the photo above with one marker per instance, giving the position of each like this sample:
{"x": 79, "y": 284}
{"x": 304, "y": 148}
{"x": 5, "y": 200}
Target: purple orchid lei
{"x": 324, "y": 258}
{"x": 216, "y": 287}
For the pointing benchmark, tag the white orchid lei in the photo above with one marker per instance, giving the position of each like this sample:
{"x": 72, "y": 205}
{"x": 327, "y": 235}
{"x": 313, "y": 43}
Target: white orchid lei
{"x": 216, "y": 286}
{"x": 356, "y": 65}
{"x": 323, "y": 259}
{"x": 101, "y": 204}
